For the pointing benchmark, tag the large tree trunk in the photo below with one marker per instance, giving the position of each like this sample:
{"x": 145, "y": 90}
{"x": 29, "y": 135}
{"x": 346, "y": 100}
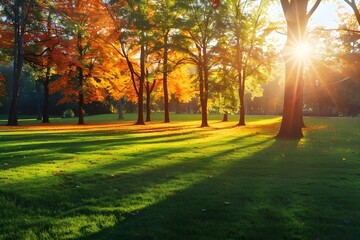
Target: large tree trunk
{"x": 165, "y": 77}
{"x": 292, "y": 121}
{"x": 46, "y": 96}
{"x": 19, "y": 28}
{"x": 81, "y": 97}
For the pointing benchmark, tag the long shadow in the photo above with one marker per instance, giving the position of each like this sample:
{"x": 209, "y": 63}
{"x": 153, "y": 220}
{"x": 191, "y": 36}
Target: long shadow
{"x": 282, "y": 191}
{"x": 283, "y": 196}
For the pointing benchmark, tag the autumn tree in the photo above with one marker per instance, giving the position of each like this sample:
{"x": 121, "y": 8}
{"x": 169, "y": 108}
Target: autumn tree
{"x": 199, "y": 34}
{"x": 297, "y": 16}
{"x": 44, "y": 45}
{"x": 131, "y": 20}
{"x": 84, "y": 56}
{"x": 165, "y": 16}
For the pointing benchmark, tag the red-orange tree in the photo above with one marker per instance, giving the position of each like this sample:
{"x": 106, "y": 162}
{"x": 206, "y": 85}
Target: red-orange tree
{"x": 83, "y": 58}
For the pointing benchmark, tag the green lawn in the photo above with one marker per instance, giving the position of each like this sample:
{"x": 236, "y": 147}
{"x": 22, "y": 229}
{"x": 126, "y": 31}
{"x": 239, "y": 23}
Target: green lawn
{"x": 173, "y": 181}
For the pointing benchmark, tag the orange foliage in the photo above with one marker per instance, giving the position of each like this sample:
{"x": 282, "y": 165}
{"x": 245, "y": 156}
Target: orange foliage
{"x": 86, "y": 48}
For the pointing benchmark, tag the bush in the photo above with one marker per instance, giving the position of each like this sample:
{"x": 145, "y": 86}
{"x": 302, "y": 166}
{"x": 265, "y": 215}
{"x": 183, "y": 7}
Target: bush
{"x": 68, "y": 113}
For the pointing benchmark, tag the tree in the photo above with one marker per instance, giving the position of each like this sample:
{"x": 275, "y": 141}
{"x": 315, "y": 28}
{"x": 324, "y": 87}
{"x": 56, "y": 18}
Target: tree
{"x": 15, "y": 12}
{"x": 83, "y": 58}
{"x": 200, "y": 28}
{"x": 130, "y": 19}
{"x": 164, "y": 22}
{"x": 244, "y": 50}
{"x": 297, "y": 17}
{"x": 39, "y": 53}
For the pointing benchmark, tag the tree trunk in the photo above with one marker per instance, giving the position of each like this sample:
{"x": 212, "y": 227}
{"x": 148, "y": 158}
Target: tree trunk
{"x": 204, "y": 115}
{"x": 37, "y": 84}
{"x": 120, "y": 110}
{"x": 19, "y": 28}
{"x": 165, "y": 78}
{"x": 46, "y": 97}
{"x": 242, "y": 99}
{"x": 225, "y": 117}
{"x": 148, "y": 110}
{"x": 292, "y": 120}
{"x": 81, "y": 97}
{"x": 140, "y": 120}
{"x": 203, "y": 100}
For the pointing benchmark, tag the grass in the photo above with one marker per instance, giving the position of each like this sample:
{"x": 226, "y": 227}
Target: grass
{"x": 115, "y": 180}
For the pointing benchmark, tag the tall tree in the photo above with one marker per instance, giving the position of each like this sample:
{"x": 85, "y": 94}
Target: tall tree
{"x": 40, "y": 51}
{"x": 200, "y": 28}
{"x": 248, "y": 28}
{"x": 297, "y": 17}
{"x": 15, "y": 12}
{"x": 131, "y": 20}
{"x": 84, "y": 56}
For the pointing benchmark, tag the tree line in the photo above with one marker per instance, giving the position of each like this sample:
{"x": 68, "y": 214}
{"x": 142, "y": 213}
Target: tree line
{"x": 90, "y": 51}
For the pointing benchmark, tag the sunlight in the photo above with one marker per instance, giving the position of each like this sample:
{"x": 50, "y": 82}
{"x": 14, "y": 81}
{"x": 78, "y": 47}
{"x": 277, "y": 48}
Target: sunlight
{"x": 302, "y": 51}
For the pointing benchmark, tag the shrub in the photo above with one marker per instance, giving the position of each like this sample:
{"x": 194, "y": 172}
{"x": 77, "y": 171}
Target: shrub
{"x": 68, "y": 113}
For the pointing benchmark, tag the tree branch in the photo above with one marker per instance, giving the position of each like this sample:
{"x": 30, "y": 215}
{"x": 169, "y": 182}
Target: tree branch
{"x": 312, "y": 10}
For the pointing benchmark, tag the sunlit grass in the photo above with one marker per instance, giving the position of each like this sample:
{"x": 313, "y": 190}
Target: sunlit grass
{"x": 177, "y": 181}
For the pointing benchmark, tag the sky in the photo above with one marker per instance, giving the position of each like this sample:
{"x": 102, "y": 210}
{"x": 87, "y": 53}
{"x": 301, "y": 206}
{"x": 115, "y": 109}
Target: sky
{"x": 326, "y": 15}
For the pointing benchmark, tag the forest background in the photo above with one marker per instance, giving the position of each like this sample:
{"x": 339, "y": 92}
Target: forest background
{"x": 79, "y": 58}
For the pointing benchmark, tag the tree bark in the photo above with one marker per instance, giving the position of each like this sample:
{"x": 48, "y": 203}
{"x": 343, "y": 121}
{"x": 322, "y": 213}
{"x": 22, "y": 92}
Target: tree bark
{"x": 203, "y": 100}
{"x": 225, "y": 117}
{"x": 148, "y": 109}
{"x": 46, "y": 97}
{"x": 205, "y": 71}
{"x": 37, "y": 84}
{"x": 81, "y": 97}
{"x": 140, "y": 119}
{"x": 242, "y": 99}
{"x": 296, "y": 19}
{"x": 165, "y": 78}
{"x": 19, "y": 28}
{"x": 120, "y": 110}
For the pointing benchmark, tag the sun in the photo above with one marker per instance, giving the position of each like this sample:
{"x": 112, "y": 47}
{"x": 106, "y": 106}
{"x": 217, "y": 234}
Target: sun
{"x": 301, "y": 51}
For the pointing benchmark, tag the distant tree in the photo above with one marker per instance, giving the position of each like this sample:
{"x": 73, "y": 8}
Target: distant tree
{"x": 199, "y": 33}
{"x": 247, "y": 30}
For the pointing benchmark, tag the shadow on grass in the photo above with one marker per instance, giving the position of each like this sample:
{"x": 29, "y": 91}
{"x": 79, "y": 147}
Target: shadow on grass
{"x": 241, "y": 187}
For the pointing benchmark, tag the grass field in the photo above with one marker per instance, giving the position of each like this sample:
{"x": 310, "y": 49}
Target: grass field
{"x": 115, "y": 180}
